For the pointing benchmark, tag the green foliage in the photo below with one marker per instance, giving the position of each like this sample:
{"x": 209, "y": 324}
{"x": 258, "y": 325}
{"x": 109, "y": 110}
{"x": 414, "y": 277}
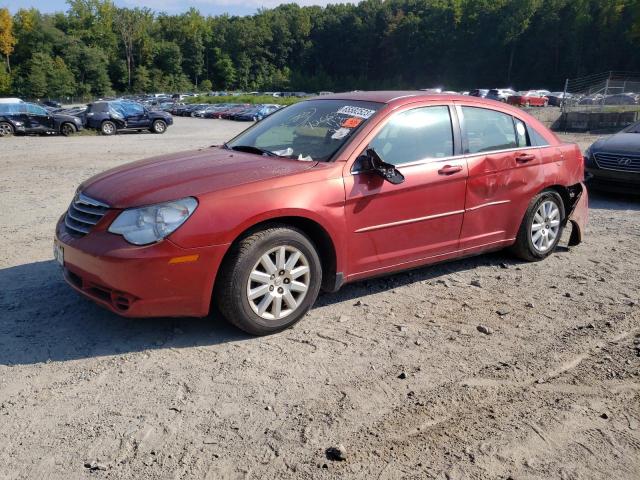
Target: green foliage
{"x": 5, "y": 80}
{"x": 373, "y": 44}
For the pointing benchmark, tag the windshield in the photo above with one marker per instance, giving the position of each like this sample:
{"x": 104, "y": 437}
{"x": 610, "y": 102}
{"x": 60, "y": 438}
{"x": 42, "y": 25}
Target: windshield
{"x": 312, "y": 130}
{"x": 634, "y": 128}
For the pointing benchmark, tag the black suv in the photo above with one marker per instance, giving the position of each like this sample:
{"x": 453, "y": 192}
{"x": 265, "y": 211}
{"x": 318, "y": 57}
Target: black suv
{"x": 111, "y": 116}
{"x": 30, "y": 118}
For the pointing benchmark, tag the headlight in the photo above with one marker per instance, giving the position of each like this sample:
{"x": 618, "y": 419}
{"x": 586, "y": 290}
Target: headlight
{"x": 587, "y": 152}
{"x": 145, "y": 225}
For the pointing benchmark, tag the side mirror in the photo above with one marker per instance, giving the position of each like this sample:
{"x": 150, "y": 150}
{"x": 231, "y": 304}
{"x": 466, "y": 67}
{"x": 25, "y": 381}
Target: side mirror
{"x": 372, "y": 162}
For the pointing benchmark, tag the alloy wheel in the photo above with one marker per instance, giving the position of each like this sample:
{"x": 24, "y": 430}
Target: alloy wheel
{"x": 5, "y": 130}
{"x": 278, "y": 282}
{"x": 545, "y": 226}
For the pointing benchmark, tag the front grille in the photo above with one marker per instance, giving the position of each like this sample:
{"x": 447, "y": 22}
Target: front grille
{"x": 83, "y": 214}
{"x": 621, "y": 162}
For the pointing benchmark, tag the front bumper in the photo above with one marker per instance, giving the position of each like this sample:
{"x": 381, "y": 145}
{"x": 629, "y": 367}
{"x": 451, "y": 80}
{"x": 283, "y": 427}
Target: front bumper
{"x": 614, "y": 181}
{"x": 137, "y": 281}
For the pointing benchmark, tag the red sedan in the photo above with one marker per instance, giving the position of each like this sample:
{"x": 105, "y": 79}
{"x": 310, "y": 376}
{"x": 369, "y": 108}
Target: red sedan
{"x": 325, "y": 192}
{"x": 528, "y": 99}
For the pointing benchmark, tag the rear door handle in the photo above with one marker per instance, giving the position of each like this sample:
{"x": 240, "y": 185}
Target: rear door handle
{"x": 450, "y": 169}
{"x": 525, "y": 157}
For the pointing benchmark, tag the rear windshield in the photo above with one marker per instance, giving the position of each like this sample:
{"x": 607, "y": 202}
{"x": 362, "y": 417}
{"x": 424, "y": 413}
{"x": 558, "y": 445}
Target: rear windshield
{"x": 312, "y": 130}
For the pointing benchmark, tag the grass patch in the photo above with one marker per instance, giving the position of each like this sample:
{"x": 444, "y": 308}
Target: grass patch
{"x": 245, "y": 99}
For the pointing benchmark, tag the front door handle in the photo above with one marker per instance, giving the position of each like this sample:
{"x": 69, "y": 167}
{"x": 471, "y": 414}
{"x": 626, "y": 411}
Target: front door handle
{"x": 525, "y": 157}
{"x": 450, "y": 169}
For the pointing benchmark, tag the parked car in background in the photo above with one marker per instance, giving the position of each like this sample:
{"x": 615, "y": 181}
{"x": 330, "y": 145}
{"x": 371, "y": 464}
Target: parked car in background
{"x": 613, "y": 163}
{"x": 557, "y": 99}
{"x": 531, "y": 98}
{"x": 29, "y": 118}
{"x": 622, "y": 99}
{"x": 319, "y": 194}
{"x": 256, "y": 113}
{"x": 52, "y": 104}
{"x": 595, "y": 99}
{"x": 500, "y": 94}
{"x": 479, "y": 92}
{"x": 113, "y": 116}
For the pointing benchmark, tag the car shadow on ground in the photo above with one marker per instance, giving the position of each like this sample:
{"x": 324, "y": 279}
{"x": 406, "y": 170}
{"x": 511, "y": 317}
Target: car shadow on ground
{"x": 42, "y": 319}
{"x": 603, "y": 200}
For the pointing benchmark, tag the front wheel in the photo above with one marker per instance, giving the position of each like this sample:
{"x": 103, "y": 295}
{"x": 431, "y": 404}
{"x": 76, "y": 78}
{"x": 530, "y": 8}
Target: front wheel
{"x": 159, "y": 126}
{"x": 67, "y": 129}
{"x": 541, "y": 227}
{"x": 269, "y": 280}
{"x": 6, "y": 129}
{"x": 108, "y": 128}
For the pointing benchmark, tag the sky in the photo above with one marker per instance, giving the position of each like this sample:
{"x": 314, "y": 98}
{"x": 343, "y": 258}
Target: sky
{"x": 206, "y": 7}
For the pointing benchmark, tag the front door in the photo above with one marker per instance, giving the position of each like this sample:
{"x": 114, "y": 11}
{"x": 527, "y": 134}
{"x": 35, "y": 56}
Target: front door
{"x": 39, "y": 119}
{"x": 391, "y": 226}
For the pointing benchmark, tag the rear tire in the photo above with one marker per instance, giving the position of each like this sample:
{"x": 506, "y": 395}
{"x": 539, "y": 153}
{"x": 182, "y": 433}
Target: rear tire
{"x": 541, "y": 227}
{"x": 108, "y": 128}
{"x": 6, "y": 129}
{"x": 67, "y": 129}
{"x": 159, "y": 126}
{"x": 269, "y": 280}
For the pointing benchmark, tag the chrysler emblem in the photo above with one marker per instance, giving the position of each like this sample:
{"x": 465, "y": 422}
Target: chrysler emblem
{"x": 624, "y": 162}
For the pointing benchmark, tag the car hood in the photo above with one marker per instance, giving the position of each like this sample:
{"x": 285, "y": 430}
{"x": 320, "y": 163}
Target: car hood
{"x": 179, "y": 175}
{"x": 61, "y": 117}
{"x": 619, "y": 143}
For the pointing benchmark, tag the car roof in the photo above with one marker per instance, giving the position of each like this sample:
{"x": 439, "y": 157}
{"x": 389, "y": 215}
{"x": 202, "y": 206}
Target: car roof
{"x": 387, "y": 96}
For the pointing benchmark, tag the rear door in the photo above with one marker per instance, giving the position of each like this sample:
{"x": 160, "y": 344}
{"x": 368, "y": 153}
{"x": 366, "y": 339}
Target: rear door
{"x": 391, "y": 226}
{"x": 505, "y": 171}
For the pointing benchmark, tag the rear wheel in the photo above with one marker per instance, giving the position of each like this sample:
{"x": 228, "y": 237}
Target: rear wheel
{"x": 108, "y": 128}
{"x": 159, "y": 126}
{"x": 541, "y": 227}
{"x": 67, "y": 129}
{"x": 6, "y": 129}
{"x": 269, "y": 280}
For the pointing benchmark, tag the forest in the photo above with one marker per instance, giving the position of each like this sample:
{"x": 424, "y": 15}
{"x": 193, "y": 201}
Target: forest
{"x": 96, "y": 48}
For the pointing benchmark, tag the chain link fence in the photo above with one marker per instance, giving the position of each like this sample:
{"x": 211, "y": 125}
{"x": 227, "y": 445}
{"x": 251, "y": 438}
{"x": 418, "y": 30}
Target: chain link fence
{"x": 603, "y": 101}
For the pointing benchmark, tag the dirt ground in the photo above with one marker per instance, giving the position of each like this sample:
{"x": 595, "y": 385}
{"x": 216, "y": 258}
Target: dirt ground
{"x": 393, "y": 369}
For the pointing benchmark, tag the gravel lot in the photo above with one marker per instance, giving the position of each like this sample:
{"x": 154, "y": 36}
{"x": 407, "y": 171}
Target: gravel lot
{"x": 394, "y": 369}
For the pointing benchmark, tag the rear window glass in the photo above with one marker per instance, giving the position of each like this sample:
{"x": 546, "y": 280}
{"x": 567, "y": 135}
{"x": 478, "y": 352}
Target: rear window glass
{"x": 488, "y": 130}
{"x": 537, "y": 140}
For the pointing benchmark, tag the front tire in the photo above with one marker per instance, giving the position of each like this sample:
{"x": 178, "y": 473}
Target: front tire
{"x": 269, "y": 280}
{"x": 541, "y": 228}
{"x": 108, "y": 128}
{"x": 6, "y": 129}
{"x": 67, "y": 129}
{"x": 159, "y": 126}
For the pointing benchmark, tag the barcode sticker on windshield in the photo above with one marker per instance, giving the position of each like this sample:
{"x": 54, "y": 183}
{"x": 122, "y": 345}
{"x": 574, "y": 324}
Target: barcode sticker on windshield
{"x": 356, "y": 111}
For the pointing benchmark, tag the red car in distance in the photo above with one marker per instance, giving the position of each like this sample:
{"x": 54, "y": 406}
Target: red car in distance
{"x": 531, "y": 98}
{"x": 324, "y": 192}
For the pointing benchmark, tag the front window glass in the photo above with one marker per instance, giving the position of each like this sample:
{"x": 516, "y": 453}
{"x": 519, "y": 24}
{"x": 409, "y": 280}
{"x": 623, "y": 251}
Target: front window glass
{"x": 414, "y": 135}
{"x": 312, "y": 130}
{"x": 35, "y": 109}
{"x": 488, "y": 130}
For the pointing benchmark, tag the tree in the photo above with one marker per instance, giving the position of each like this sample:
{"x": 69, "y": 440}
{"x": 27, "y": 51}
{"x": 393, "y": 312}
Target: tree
{"x": 5, "y": 81}
{"x": 206, "y": 85}
{"x": 7, "y": 39}
{"x": 132, "y": 25}
{"x": 141, "y": 79}
{"x": 37, "y": 68}
{"x": 61, "y": 82}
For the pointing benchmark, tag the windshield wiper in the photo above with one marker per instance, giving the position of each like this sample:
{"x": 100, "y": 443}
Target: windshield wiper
{"x": 251, "y": 149}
